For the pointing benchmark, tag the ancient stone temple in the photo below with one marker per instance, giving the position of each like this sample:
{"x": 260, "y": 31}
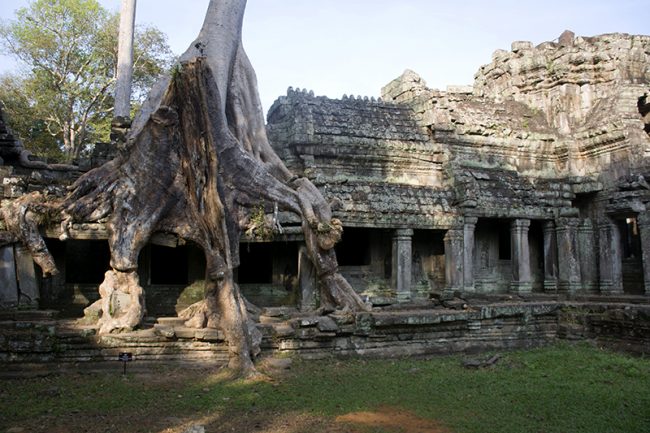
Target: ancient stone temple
{"x": 532, "y": 183}
{"x": 532, "y": 180}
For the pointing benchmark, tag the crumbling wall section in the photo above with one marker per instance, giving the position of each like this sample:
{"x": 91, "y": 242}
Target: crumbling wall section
{"x": 370, "y": 157}
{"x": 567, "y": 79}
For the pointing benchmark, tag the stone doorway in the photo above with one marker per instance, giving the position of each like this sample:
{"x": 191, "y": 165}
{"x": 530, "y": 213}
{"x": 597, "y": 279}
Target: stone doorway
{"x": 631, "y": 255}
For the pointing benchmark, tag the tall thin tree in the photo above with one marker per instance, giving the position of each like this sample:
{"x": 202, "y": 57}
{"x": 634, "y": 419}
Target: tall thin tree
{"x": 122, "y": 110}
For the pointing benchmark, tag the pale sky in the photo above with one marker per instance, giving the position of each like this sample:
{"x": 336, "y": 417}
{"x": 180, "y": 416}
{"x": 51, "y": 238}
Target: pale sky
{"x": 337, "y": 47}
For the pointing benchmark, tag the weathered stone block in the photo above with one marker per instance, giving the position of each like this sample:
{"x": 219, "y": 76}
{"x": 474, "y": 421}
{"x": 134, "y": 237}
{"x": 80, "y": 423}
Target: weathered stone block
{"x": 8, "y": 281}
{"x": 326, "y": 324}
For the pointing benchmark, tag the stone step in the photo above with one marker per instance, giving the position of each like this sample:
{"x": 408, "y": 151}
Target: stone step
{"x": 29, "y": 315}
{"x": 171, "y": 321}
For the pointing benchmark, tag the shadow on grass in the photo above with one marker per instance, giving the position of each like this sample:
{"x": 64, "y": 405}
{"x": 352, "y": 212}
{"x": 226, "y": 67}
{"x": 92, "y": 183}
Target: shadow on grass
{"x": 556, "y": 389}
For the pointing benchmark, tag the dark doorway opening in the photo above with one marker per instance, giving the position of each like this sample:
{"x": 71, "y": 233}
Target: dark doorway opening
{"x": 255, "y": 263}
{"x": 633, "y": 281}
{"x": 169, "y": 265}
{"x": 354, "y": 248}
{"x": 505, "y": 247}
{"x": 86, "y": 261}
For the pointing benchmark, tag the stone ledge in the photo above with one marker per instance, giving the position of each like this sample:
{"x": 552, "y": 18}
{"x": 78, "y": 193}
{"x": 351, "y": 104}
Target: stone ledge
{"x": 482, "y": 326}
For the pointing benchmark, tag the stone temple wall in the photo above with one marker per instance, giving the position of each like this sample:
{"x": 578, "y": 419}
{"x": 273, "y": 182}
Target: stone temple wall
{"x": 548, "y": 147}
{"x": 369, "y": 156}
{"x": 536, "y": 178}
{"x": 568, "y": 79}
{"x": 561, "y": 109}
{"x": 532, "y": 185}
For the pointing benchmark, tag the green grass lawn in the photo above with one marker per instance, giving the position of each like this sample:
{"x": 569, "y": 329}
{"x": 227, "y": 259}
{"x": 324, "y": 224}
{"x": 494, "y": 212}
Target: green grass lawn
{"x": 556, "y": 389}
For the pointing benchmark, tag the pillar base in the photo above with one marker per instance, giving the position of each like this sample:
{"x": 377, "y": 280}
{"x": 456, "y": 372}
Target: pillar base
{"x": 608, "y": 288}
{"x": 591, "y": 288}
{"x": 564, "y": 287}
{"x": 550, "y": 286}
{"x": 521, "y": 287}
{"x": 403, "y": 297}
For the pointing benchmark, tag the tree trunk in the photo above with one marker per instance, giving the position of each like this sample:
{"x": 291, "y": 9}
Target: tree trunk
{"x": 197, "y": 163}
{"x": 122, "y": 109}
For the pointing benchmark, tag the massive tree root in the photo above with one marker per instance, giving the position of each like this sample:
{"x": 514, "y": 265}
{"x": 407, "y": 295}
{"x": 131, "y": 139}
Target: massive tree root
{"x": 197, "y": 162}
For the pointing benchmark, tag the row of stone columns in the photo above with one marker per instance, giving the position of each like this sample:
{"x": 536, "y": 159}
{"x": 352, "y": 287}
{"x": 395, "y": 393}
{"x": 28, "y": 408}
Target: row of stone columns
{"x": 610, "y": 254}
{"x": 459, "y": 256}
{"x": 571, "y": 256}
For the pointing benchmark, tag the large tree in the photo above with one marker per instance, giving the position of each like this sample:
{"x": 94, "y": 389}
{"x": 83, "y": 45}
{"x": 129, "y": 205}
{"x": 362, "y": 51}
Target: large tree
{"x": 198, "y": 164}
{"x": 69, "y": 52}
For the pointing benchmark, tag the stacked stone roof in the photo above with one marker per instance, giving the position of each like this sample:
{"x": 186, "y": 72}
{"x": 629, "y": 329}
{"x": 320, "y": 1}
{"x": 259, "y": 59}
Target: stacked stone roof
{"x": 370, "y": 156}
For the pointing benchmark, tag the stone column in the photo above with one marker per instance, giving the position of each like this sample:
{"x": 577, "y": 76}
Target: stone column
{"x": 307, "y": 281}
{"x": 26, "y": 275}
{"x": 610, "y": 257}
{"x": 521, "y": 278}
{"x": 468, "y": 253}
{"x": 643, "y": 222}
{"x": 8, "y": 282}
{"x": 567, "y": 255}
{"x": 550, "y": 257}
{"x": 402, "y": 263}
{"x": 454, "y": 260}
{"x": 588, "y": 257}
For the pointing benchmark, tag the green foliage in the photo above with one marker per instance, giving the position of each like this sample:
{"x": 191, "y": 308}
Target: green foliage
{"x": 195, "y": 292}
{"x": 258, "y": 228}
{"x": 61, "y": 100}
{"x": 20, "y": 112}
{"x": 557, "y": 389}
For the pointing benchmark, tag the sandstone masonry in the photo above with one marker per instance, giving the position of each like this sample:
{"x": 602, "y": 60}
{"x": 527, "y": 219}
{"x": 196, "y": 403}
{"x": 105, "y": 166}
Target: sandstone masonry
{"x": 531, "y": 184}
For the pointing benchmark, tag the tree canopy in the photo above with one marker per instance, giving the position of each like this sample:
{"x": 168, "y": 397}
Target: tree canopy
{"x": 61, "y": 100}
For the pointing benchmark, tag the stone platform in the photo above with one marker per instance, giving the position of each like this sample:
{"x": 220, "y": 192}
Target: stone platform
{"x": 37, "y": 341}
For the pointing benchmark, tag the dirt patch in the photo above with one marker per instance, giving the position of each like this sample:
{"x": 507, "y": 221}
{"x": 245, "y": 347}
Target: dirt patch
{"x": 391, "y": 419}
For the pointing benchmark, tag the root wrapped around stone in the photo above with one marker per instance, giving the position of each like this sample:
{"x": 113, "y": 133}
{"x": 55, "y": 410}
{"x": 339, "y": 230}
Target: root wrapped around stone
{"x": 197, "y": 162}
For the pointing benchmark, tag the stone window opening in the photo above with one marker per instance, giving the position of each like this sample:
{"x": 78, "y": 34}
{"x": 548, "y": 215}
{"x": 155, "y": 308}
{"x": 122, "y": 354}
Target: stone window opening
{"x": 632, "y": 264}
{"x": 268, "y": 273}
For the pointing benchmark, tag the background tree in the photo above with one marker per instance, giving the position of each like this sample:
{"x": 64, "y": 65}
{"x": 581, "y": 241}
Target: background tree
{"x": 69, "y": 52}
